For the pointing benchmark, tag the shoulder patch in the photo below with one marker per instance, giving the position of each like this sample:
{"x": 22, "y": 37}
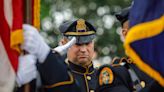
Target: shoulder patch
{"x": 105, "y": 76}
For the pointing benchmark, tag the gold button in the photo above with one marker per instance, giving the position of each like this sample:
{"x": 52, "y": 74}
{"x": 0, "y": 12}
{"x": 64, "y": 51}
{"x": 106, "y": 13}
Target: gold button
{"x": 142, "y": 84}
{"x": 88, "y": 77}
{"x": 92, "y": 91}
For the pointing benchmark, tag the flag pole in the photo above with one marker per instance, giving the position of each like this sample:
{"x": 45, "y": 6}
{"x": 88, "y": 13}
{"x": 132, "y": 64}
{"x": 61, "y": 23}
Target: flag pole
{"x": 27, "y": 13}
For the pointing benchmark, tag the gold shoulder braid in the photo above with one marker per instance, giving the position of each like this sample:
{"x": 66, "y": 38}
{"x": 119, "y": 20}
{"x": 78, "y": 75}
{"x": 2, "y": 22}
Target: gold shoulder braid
{"x": 116, "y": 61}
{"x": 126, "y": 59}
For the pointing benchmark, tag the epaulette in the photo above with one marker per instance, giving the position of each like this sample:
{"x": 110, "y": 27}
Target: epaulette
{"x": 105, "y": 75}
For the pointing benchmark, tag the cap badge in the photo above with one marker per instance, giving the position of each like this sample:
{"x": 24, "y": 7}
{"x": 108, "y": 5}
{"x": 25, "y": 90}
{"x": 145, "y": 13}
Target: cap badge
{"x": 81, "y": 27}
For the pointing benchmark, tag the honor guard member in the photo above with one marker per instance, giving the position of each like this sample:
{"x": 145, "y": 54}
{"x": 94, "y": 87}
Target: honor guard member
{"x": 123, "y": 75}
{"x": 80, "y": 55}
{"x": 55, "y": 75}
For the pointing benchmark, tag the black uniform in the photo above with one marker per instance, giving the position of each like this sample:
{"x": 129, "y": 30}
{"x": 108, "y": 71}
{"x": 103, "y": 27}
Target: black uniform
{"x": 125, "y": 77}
{"x": 56, "y": 76}
{"x": 86, "y": 76}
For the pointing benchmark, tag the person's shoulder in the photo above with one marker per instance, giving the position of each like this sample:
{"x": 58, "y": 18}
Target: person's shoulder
{"x": 116, "y": 68}
{"x": 110, "y": 72}
{"x": 109, "y": 79}
{"x": 114, "y": 73}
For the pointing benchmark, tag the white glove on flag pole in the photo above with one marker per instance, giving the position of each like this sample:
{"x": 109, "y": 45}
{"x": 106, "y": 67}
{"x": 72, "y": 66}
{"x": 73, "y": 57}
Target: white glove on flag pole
{"x": 34, "y": 43}
{"x": 27, "y": 70}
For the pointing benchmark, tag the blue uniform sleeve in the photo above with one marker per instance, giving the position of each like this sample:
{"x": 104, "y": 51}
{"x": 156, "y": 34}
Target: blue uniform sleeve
{"x": 55, "y": 75}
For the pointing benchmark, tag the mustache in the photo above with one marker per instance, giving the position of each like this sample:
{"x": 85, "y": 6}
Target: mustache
{"x": 81, "y": 55}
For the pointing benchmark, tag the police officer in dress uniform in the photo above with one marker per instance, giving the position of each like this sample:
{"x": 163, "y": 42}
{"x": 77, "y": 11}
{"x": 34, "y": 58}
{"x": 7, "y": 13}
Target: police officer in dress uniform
{"x": 80, "y": 55}
{"x": 55, "y": 75}
{"x": 123, "y": 75}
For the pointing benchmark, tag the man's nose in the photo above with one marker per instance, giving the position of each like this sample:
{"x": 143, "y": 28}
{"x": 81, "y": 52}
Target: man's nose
{"x": 83, "y": 48}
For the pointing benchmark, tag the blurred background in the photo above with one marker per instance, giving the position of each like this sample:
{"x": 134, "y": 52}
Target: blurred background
{"x": 98, "y": 12}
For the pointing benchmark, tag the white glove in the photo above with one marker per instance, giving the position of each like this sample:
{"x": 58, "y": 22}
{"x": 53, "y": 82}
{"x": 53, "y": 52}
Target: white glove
{"x": 63, "y": 49}
{"x": 34, "y": 43}
{"x": 27, "y": 70}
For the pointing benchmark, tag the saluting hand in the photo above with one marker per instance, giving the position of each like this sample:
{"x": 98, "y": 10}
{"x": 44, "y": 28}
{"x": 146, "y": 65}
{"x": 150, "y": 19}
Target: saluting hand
{"x": 64, "y": 48}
